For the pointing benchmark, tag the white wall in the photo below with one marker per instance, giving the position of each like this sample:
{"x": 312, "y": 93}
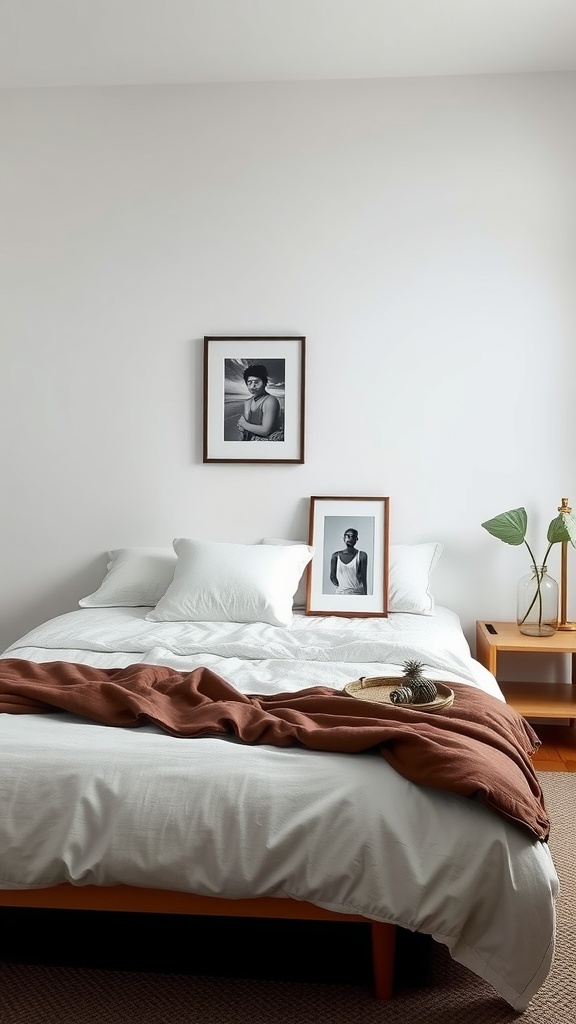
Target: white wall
{"x": 420, "y": 233}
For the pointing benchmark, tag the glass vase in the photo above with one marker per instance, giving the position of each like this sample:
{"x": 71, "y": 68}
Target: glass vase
{"x": 537, "y": 612}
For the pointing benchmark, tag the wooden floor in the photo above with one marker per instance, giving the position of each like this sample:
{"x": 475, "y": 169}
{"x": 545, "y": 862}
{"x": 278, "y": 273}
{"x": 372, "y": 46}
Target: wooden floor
{"x": 558, "y": 750}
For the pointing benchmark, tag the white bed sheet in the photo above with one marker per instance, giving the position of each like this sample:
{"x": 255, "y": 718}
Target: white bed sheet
{"x": 85, "y": 803}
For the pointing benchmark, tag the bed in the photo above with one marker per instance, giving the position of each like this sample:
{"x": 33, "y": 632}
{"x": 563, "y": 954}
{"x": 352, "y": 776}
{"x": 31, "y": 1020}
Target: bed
{"x": 137, "y": 818}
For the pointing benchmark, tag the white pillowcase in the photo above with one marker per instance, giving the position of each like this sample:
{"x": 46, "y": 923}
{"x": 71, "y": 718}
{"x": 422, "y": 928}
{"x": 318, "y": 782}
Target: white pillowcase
{"x": 409, "y": 572}
{"x": 300, "y": 595}
{"x": 218, "y": 582}
{"x": 136, "y": 577}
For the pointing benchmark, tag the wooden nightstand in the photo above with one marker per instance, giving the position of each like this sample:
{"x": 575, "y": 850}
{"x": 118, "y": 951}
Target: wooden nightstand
{"x": 532, "y": 700}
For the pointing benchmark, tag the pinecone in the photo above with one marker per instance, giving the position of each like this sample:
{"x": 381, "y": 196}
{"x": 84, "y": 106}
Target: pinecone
{"x": 401, "y": 695}
{"x": 423, "y": 690}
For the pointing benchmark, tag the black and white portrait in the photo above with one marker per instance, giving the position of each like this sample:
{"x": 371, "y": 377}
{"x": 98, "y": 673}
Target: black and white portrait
{"x": 254, "y": 408}
{"x": 348, "y": 555}
{"x": 254, "y": 399}
{"x": 348, "y": 574}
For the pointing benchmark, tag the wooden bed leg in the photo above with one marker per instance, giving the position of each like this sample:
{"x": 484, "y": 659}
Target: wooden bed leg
{"x": 383, "y": 948}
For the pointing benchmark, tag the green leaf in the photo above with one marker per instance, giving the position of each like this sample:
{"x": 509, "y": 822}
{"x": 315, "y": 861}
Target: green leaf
{"x": 562, "y": 529}
{"x": 509, "y": 526}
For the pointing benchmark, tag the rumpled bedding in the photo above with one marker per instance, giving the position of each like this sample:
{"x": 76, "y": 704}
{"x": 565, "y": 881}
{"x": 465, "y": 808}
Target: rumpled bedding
{"x": 84, "y": 803}
{"x": 478, "y": 747}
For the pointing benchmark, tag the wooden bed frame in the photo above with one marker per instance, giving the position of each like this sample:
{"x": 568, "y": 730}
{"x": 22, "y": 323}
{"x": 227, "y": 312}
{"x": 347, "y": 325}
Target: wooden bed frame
{"x": 132, "y": 899}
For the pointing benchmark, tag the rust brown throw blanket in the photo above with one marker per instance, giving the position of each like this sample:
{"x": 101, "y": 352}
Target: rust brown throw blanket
{"x": 479, "y": 747}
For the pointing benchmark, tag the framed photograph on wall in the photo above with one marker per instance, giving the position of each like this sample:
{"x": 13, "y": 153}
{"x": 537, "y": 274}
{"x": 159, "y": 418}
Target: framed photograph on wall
{"x": 348, "y": 574}
{"x": 254, "y": 399}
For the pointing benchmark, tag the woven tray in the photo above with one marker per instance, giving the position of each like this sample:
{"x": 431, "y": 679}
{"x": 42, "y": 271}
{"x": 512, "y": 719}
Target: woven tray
{"x": 379, "y": 688}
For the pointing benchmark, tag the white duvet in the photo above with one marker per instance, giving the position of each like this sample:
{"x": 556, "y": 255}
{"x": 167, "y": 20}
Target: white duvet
{"x": 90, "y": 804}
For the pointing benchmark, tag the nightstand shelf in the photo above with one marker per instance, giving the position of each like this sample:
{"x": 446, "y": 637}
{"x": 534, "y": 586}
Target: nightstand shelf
{"x": 532, "y": 700}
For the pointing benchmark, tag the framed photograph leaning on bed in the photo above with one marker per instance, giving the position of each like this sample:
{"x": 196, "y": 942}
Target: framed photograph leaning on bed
{"x": 348, "y": 574}
{"x": 254, "y": 399}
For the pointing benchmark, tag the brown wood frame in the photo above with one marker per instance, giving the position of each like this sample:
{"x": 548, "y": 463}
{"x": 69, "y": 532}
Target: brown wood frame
{"x": 349, "y": 510}
{"x": 132, "y": 899}
{"x": 257, "y": 348}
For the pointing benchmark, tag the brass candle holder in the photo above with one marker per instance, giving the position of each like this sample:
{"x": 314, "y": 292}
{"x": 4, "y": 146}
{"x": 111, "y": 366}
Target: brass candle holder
{"x": 564, "y": 509}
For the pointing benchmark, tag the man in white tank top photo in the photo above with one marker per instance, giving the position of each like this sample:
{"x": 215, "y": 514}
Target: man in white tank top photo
{"x": 348, "y": 567}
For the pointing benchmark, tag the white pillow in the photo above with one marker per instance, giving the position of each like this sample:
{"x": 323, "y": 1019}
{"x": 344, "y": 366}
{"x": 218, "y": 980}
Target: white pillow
{"x": 218, "y": 582}
{"x": 410, "y": 569}
{"x": 136, "y": 577}
{"x": 300, "y": 595}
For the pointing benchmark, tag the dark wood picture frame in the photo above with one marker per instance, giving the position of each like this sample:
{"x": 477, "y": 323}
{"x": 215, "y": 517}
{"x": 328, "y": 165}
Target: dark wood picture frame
{"x": 227, "y": 398}
{"x": 365, "y": 591}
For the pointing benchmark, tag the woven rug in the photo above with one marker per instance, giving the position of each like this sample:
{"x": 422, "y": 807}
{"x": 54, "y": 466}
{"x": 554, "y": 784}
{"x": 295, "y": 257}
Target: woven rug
{"x": 432, "y": 989}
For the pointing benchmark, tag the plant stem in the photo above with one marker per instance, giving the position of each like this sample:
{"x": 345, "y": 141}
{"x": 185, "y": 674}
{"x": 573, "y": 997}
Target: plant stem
{"x": 538, "y": 593}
